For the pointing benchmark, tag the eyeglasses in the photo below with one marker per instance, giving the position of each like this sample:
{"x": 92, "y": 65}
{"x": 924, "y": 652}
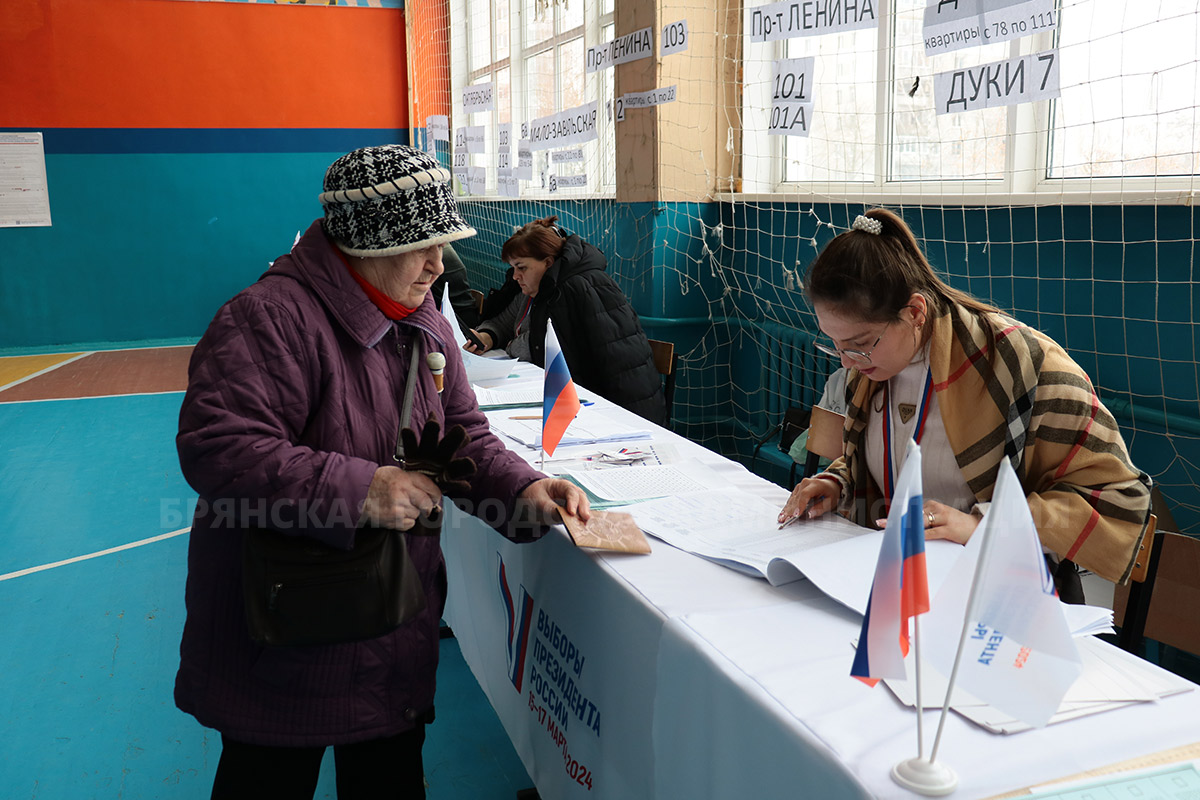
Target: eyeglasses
{"x": 861, "y": 356}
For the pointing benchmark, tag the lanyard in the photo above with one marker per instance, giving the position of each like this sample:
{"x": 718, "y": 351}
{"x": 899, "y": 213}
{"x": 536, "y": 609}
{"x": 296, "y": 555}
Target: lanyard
{"x": 926, "y": 398}
{"x": 524, "y": 314}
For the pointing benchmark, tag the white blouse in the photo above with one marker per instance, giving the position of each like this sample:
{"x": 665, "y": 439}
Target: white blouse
{"x": 941, "y": 478}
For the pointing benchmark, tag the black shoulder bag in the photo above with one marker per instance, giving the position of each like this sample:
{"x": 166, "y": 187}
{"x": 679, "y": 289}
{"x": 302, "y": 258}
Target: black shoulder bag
{"x": 299, "y": 591}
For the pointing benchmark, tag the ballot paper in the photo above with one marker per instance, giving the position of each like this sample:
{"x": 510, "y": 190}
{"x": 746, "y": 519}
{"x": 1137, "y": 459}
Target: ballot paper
{"x": 1111, "y": 678}
{"x": 589, "y": 427}
{"x": 481, "y": 369}
{"x": 639, "y": 483}
{"x": 513, "y": 394}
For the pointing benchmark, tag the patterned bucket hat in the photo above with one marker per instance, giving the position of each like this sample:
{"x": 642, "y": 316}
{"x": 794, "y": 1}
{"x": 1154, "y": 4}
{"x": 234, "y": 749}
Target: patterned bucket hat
{"x": 390, "y": 199}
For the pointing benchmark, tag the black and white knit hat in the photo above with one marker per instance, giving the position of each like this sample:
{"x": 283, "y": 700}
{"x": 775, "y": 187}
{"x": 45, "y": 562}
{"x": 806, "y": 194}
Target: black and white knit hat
{"x": 380, "y": 201}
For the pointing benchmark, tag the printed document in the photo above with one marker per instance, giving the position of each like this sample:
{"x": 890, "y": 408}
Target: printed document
{"x": 741, "y": 531}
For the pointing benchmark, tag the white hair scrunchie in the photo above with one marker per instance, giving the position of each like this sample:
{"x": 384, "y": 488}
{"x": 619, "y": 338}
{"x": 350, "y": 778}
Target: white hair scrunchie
{"x": 871, "y": 226}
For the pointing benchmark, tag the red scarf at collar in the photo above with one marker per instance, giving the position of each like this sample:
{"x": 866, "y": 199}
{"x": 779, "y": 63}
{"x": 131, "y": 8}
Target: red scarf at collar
{"x": 390, "y": 308}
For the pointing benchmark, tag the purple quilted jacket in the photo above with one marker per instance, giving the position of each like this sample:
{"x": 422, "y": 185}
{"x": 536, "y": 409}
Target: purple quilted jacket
{"x": 293, "y": 401}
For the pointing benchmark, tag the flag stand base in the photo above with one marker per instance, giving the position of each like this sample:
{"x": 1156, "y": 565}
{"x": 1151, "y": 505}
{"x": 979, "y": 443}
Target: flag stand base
{"x": 925, "y": 777}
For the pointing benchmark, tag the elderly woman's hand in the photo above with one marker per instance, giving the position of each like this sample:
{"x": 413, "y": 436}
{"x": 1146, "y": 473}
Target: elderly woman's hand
{"x": 397, "y": 499}
{"x": 543, "y": 498}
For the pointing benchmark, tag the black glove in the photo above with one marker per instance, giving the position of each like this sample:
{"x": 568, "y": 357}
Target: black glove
{"x": 435, "y": 456}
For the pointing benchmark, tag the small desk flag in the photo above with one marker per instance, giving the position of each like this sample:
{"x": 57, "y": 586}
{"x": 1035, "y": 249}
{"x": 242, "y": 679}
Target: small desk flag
{"x": 561, "y": 401}
{"x": 1018, "y": 654}
{"x": 900, "y": 590}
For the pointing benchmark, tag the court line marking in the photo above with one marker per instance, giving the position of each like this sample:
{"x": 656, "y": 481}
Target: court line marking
{"x": 44, "y": 370}
{"x": 89, "y": 397}
{"x": 23, "y": 572}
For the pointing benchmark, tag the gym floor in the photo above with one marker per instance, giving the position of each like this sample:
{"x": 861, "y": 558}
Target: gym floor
{"x": 93, "y": 558}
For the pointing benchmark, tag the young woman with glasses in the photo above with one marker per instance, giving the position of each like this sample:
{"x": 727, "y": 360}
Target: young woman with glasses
{"x": 972, "y": 386}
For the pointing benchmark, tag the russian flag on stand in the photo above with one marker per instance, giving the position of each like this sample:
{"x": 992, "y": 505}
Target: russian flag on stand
{"x": 561, "y": 401}
{"x": 900, "y": 590}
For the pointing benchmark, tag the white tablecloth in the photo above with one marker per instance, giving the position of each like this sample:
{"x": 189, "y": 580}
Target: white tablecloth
{"x": 668, "y": 676}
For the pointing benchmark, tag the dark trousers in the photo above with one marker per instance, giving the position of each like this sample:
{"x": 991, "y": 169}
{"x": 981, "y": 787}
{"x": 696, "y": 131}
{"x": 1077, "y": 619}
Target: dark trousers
{"x": 383, "y": 768}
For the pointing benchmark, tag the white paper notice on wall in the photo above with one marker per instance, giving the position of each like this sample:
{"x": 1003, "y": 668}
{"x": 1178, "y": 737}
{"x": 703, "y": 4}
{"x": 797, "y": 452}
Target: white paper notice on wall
{"x": 24, "y": 193}
{"x": 438, "y": 127}
{"x": 477, "y": 98}
{"x": 524, "y": 170}
{"x": 573, "y": 126}
{"x": 567, "y": 182}
{"x": 1002, "y": 83}
{"x": 504, "y": 146}
{"x": 654, "y": 97}
{"x": 470, "y": 139}
{"x": 566, "y": 156}
{"x": 472, "y": 179}
{"x": 791, "y": 96}
{"x": 622, "y": 50}
{"x": 974, "y": 23}
{"x": 507, "y": 183}
{"x": 792, "y": 18}
{"x": 674, "y": 38}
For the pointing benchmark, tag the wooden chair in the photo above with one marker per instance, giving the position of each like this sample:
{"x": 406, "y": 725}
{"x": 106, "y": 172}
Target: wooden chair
{"x": 1161, "y": 598}
{"x": 665, "y": 362}
{"x": 478, "y": 297}
{"x": 824, "y": 438}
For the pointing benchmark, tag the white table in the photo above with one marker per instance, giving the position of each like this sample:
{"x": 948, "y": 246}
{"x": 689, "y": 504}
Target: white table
{"x": 668, "y": 676}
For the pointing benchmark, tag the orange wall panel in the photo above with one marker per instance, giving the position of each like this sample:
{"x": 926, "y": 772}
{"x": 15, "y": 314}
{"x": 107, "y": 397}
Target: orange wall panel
{"x": 173, "y": 64}
{"x": 430, "y": 57}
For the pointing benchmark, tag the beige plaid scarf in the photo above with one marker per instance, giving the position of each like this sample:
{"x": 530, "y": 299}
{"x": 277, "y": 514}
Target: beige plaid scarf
{"x": 1008, "y": 391}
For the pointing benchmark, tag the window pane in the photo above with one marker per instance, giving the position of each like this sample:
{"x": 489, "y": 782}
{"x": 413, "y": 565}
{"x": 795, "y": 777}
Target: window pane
{"x": 928, "y": 146}
{"x": 479, "y": 34}
{"x": 1129, "y": 90}
{"x": 842, "y": 134}
{"x": 570, "y": 17}
{"x": 539, "y": 84}
{"x": 503, "y": 90}
{"x": 571, "y": 65}
{"x": 502, "y": 30}
{"x": 539, "y": 23}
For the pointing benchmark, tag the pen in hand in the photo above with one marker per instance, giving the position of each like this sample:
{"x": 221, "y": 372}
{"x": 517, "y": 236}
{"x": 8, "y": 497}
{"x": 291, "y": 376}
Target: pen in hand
{"x": 799, "y": 515}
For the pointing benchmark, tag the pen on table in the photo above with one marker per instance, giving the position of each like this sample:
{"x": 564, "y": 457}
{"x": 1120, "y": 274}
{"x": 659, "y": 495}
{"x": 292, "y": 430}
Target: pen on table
{"x": 527, "y": 416}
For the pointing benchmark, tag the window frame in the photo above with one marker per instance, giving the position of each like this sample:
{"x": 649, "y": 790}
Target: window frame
{"x": 601, "y": 182}
{"x": 1026, "y": 173}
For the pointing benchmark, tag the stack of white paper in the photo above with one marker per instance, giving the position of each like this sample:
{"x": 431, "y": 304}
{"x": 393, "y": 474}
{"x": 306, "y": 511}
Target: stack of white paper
{"x": 590, "y": 427}
{"x": 514, "y": 394}
{"x": 481, "y": 368}
{"x": 640, "y": 483}
{"x": 1111, "y": 679}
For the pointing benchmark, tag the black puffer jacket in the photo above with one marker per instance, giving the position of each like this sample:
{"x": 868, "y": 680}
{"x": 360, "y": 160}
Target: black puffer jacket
{"x": 601, "y": 337}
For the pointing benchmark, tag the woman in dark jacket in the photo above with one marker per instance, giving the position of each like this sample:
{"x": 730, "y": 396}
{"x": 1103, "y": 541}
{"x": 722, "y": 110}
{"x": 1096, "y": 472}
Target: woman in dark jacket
{"x": 562, "y": 278}
{"x": 290, "y": 423}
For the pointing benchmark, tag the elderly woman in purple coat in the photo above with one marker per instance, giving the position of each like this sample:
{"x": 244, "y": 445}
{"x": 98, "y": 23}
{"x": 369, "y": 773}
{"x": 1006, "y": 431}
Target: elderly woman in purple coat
{"x": 290, "y": 422}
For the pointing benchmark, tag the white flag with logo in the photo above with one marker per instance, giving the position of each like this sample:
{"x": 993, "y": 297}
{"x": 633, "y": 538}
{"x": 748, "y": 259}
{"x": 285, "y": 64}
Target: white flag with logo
{"x": 1018, "y": 654}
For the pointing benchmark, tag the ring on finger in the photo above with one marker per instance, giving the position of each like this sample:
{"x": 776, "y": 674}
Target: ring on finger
{"x": 930, "y": 518}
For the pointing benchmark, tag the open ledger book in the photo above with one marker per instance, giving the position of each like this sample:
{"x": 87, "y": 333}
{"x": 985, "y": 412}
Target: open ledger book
{"x": 740, "y": 531}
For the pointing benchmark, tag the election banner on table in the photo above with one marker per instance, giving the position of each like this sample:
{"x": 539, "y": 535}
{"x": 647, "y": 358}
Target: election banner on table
{"x": 571, "y": 692}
